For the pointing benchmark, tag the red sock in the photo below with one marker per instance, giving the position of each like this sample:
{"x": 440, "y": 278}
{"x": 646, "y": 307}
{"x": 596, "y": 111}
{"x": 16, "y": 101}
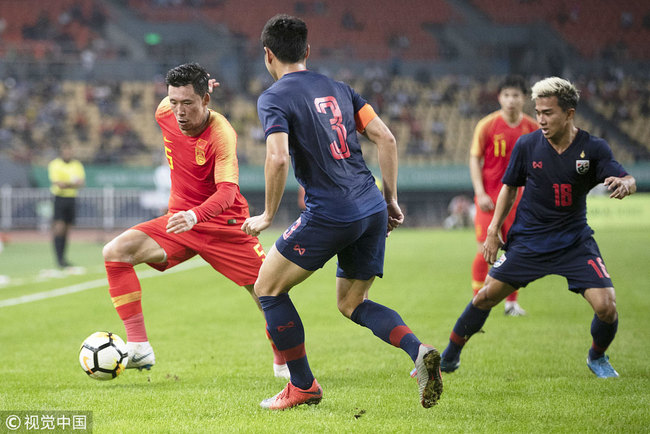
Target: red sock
{"x": 278, "y": 358}
{"x": 125, "y": 291}
{"x": 513, "y": 296}
{"x": 479, "y": 272}
{"x": 135, "y": 331}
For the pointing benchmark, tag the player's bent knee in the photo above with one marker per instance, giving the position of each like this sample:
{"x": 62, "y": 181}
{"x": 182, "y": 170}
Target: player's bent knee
{"x": 266, "y": 290}
{"x": 492, "y": 293}
{"x": 346, "y": 308}
{"x": 606, "y": 312}
{"x": 108, "y": 252}
{"x": 115, "y": 251}
{"x": 482, "y": 301}
{"x": 603, "y": 301}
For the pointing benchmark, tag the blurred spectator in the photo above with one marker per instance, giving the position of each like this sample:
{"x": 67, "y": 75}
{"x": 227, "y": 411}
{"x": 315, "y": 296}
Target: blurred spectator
{"x": 300, "y": 8}
{"x": 3, "y": 26}
{"x": 349, "y": 21}
{"x": 461, "y": 213}
{"x": 88, "y": 58}
{"x": 627, "y": 20}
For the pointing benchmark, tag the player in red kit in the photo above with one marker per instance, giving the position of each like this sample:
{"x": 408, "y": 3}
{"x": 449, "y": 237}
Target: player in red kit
{"x": 205, "y": 206}
{"x": 494, "y": 138}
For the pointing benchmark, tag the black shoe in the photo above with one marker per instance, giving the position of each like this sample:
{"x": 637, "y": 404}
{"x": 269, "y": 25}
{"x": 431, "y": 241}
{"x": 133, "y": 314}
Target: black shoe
{"x": 449, "y": 365}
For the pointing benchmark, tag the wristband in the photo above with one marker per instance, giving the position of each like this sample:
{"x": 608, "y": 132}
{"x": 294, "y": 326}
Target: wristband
{"x": 192, "y": 218}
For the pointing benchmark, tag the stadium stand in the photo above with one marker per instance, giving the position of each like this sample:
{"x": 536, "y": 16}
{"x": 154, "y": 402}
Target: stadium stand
{"x": 432, "y": 115}
{"x": 624, "y": 101}
{"x": 595, "y": 28}
{"x": 364, "y": 29}
{"x": 112, "y": 123}
{"x": 66, "y": 26}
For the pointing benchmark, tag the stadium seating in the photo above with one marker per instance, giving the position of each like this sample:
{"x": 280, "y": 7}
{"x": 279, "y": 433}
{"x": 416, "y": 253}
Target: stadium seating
{"x": 112, "y": 123}
{"x": 64, "y": 25}
{"x": 624, "y": 101}
{"x": 364, "y": 30}
{"x": 433, "y": 119}
{"x": 595, "y": 28}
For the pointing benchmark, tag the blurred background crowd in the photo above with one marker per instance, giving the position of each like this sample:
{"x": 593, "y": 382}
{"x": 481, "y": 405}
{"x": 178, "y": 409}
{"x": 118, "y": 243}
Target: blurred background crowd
{"x": 90, "y": 73}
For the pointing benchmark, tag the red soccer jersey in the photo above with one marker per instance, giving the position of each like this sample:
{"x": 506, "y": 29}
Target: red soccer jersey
{"x": 199, "y": 163}
{"x": 493, "y": 141}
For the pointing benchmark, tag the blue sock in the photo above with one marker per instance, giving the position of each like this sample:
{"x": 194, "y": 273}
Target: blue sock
{"x": 286, "y": 330}
{"x": 469, "y": 322}
{"x": 387, "y": 325}
{"x": 603, "y": 335}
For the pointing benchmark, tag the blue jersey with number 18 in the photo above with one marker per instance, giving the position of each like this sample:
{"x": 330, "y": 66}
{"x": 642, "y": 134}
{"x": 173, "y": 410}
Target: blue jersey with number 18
{"x": 321, "y": 117}
{"x": 552, "y": 214}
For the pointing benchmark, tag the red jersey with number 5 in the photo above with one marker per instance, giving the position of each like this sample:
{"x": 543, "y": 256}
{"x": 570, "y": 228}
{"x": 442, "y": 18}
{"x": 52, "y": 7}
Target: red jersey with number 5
{"x": 199, "y": 163}
{"x": 493, "y": 141}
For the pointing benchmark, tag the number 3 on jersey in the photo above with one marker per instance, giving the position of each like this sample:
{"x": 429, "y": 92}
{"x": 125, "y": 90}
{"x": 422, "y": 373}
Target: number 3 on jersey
{"x": 339, "y": 150}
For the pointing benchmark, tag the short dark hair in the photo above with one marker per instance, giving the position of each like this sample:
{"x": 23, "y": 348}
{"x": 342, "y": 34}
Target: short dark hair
{"x": 514, "y": 82}
{"x": 286, "y": 37}
{"x": 189, "y": 73}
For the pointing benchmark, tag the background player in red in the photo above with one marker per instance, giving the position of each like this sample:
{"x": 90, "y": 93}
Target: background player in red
{"x": 206, "y": 209}
{"x": 494, "y": 138}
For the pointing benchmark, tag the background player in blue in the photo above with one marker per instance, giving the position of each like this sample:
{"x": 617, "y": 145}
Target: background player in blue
{"x": 558, "y": 164}
{"x": 312, "y": 119}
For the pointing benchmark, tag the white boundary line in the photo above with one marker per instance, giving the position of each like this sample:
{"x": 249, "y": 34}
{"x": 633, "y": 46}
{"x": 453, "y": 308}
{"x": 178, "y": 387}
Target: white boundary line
{"x": 94, "y": 284}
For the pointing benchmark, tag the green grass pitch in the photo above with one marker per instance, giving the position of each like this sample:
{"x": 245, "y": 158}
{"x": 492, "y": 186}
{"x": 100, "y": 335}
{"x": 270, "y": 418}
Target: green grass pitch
{"x": 214, "y": 363}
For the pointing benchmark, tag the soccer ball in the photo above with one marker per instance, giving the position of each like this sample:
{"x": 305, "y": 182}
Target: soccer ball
{"x": 103, "y": 355}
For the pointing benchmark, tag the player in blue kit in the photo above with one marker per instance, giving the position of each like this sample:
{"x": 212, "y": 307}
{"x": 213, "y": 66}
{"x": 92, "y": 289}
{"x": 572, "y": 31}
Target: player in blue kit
{"x": 311, "y": 120}
{"x": 558, "y": 164}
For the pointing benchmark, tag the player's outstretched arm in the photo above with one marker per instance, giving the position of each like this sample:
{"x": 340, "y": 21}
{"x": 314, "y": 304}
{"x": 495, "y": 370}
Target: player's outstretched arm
{"x": 378, "y": 133}
{"x": 276, "y": 169}
{"x": 620, "y": 187}
{"x": 493, "y": 242}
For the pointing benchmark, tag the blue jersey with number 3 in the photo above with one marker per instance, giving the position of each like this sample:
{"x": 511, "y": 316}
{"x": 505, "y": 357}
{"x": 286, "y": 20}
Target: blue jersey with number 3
{"x": 318, "y": 114}
{"x": 552, "y": 214}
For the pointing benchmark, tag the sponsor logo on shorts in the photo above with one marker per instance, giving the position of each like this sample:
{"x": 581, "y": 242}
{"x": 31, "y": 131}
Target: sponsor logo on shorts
{"x": 300, "y": 250}
{"x": 286, "y": 326}
{"x": 500, "y": 261}
{"x": 292, "y": 228}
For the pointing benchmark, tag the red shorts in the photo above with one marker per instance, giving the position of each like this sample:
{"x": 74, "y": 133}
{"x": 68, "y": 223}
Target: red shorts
{"x": 483, "y": 218}
{"x": 230, "y": 251}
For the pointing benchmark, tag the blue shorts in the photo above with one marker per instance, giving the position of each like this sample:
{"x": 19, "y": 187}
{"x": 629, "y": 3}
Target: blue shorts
{"x": 581, "y": 265}
{"x": 311, "y": 241}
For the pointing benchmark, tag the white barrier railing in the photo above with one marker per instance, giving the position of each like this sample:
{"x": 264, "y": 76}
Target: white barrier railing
{"x": 100, "y": 208}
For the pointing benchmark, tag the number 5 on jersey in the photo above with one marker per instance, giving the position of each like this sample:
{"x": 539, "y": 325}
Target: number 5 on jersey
{"x": 339, "y": 150}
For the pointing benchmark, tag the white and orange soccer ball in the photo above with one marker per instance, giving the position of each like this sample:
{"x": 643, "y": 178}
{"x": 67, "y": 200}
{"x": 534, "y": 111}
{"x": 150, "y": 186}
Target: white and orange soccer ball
{"x": 103, "y": 355}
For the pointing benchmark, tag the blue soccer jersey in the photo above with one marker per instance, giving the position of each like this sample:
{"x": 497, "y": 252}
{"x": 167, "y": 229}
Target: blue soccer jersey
{"x": 552, "y": 214}
{"x": 321, "y": 117}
